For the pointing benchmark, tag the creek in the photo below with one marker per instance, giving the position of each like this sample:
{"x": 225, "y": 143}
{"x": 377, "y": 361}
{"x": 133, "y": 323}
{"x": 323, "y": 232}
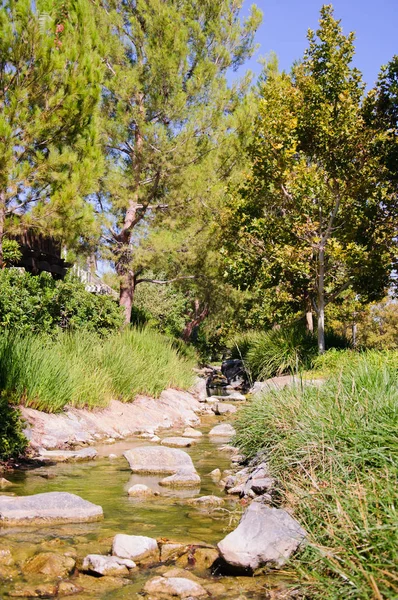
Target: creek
{"x": 106, "y": 481}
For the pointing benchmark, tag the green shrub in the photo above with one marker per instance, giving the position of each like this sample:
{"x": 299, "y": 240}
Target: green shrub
{"x": 12, "y": 440}
{"x": 84, "y": 369}
{"x": 39, "y": 304}
{"x": 334, "y": 451}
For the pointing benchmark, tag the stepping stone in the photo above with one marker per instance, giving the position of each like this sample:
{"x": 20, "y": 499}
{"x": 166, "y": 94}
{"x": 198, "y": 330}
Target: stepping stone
{"x": 138, "y": 548}
{"x": 181, "y": 479}
{"x": 47, "y": 509}
{"x": 223, "y": 430}
{"x": 158, "y": 459}
{"x": 178, "y": 442}
{"x": 140, "y": 490}
{"x": 221, "y": 408}
{"x": 264, "y": 536}
{"x": 108, "y": 565}
{"x": 192, "y": 433}
{"x": 67, "y": 455}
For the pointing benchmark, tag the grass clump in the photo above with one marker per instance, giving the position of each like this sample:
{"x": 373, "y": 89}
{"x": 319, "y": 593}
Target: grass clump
{"x": 83, "y": 369}
{"x": 334, "y": 450}
{"x": 12, "y": 440}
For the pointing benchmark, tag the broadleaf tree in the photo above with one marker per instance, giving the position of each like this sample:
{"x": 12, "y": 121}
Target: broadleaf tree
{"x": 315, "y": 216}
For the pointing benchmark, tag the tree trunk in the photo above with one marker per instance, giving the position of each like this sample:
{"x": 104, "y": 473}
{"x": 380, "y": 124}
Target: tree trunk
{"x": 126, "y": 297}
{"x": 2, "y": 223}
{"x": 196, "y": 319}
{"x": 308, "y": 314}
{"x": 321, "y": 302}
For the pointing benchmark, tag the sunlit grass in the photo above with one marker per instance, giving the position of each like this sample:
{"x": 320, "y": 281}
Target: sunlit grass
{"x": 334, "y": 451}
{"x": 84, "y": 370}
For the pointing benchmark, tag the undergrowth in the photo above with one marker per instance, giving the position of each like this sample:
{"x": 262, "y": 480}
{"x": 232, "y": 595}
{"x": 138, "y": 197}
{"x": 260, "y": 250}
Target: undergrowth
{"x": 334, "y": 451}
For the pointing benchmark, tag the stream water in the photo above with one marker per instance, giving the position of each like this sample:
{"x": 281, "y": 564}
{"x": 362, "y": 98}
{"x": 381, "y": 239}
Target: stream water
{"x": 105, "y": 481}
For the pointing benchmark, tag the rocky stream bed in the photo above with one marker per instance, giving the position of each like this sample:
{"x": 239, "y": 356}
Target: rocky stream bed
{"x": 158, "y": 515}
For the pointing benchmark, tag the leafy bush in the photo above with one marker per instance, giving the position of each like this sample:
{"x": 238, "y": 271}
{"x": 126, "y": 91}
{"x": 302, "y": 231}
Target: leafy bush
{"x": 30, "y": 303}
{"x": 334, "y": 451}
{"x": 12, "y": 440}
{"x": 83, "y": 369}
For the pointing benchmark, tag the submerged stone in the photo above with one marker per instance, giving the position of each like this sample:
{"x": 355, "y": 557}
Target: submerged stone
{"x": 163, "y": 588}
{"x": 50, "y": 565}
{"x": 178, "y": 442}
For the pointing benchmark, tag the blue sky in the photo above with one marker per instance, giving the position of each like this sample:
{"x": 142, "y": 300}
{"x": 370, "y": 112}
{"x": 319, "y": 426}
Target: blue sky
{"x": 285, "y": 24}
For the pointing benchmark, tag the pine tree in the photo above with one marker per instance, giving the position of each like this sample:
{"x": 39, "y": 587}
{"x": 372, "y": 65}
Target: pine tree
{"x": 50, "y": 76}
{"x": 164, "y": 107}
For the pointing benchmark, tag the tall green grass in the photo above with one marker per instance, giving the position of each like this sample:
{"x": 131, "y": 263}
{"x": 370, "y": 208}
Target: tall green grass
{"x": 85, "y": 370}
{"x": 334, "y": 451}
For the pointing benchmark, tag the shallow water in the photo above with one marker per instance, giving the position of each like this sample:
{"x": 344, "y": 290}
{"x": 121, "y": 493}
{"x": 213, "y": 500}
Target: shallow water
{"x": 105, "y": 481}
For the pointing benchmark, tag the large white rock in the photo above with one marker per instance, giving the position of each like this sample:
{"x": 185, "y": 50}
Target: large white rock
{"x": 223, "y": 430}
{"x": 264, "y": 536}
{"x": 107, "y": 565}
{"x": 138, "y": 548}
{"x": 173, "y": 587}
{"x": 47, "y": 508}
{"x": 158, "y": 459}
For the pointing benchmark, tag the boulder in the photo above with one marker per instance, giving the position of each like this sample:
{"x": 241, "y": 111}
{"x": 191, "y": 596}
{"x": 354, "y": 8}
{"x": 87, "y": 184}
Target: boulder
{"x": 139, "y": 489}
{"x": 157, "y": 459}
{"x": 67, "y": 455}
{"x": 189, "y": 432}
{"x": 205, "y": 501}
{"x": 107, "y": 565}
{"x": 139, "y": 548}
{"x": 47, "y": 509}
{"x": 222, "y": 408}
{"x": 164, "y": 588}
{"x": 50, "y": 565}
{"x": 263, "y": 485}
{"x": 223, "y": 430}
{"x": 181, "y": 479}
{"x": 264, "y": 537}
{"x": 215, "y": 475}
{"x": 178, "y": 442}
{"x": 236, "y": 397}
{"x": 171, "y": 550}
{"x": 4, "y": 483}
{"x": 234, "y": 369}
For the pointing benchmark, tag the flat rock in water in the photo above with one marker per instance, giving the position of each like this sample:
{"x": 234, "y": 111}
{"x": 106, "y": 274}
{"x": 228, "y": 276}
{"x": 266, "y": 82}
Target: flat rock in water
{"x": 189, "y": 432}
{"x": 67, "y": 455}
{"x": 158, "y": 459}
{"x": 107, "y": 565}
{"x": 181, "y": 479}
{"x": 264, "y": 537}
{"x": 223, "y": 430}
{"x": 47, "y": 508}
{"x": 138, "y": 548}
{"x": 206, "y": 501}
{"x": 236, "y": 397}
{"x": 178, "y": 442}
{"x": 163, "y": 588}
{"x": 222, "y": 408}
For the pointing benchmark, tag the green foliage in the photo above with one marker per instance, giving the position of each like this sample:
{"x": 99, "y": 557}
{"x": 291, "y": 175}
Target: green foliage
{"x": 51, "y": 67}
{"x": 162, "y": 306}
{"x": 11, "y": 252}
{"x": 334, "y": 361}
{"x": 288, "y": 349}
{"x": 12, "y": 440}
{"x": 84, "y": 370}
{"x": 316, "y": 213}
{"x": 334, "y": 451}
{"x": 42, "y": 305}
